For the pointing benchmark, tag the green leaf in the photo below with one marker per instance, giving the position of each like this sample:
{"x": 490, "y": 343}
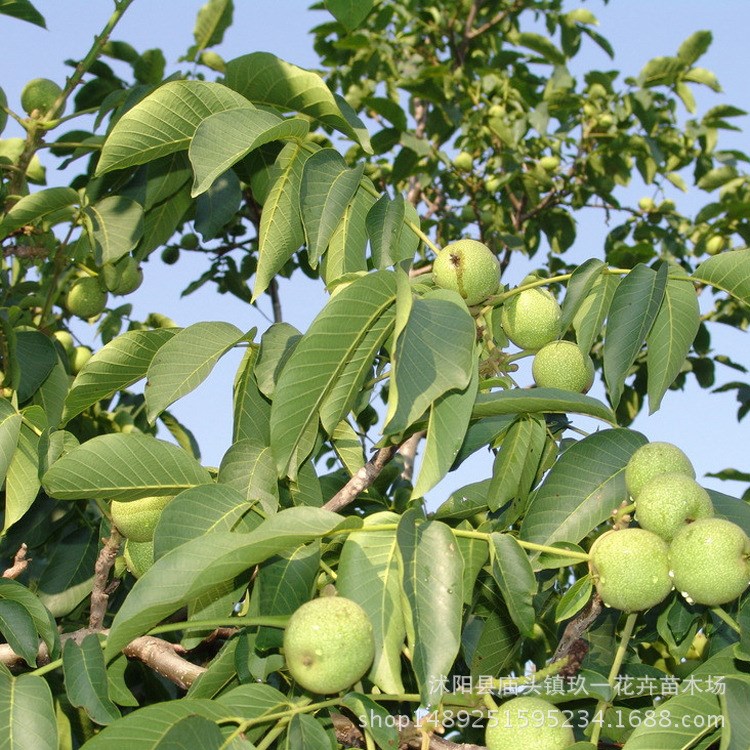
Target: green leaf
{"x": 198, "y": 566}
{"x": 306, "y": 732}
{"x": 515, "y": 578}
{"x": 185, "y": 361}
{"x": 391, "y": 240}
{"x": 574, "y": 599}
{"x": 376, "y": 720}
{"x": 540, "y": 401}
{"x": 732, "y": 508}
{"x": 253, "y": 701}
{"x": 22, "y": 479}
{"x": 164, "y": 122}
{"x": 86, "y": 679}
{"x": 694, "y": 47}
{"x": 23, "y": 10}
{"x": 27, "y": 715}
{"x": 368, "y": 574}
{"x": 582, "y": 489}
{"x": 194, "y": 512}
{"x": 252, "y": 412}
{"x": 737, "y": 697}
{"x": 634, "y": 308}
{"x": 516, "y": 462}
{"x": 590, "y": 317}
{"x": 10, "y": 430}
{"x": 349, "y": 13}
{"x": 191, "y": 732}
{"x": 276, "y": 346}
{"x": 116, "y": 227}
{"x": 434, "y": 354}
{"x": 44, "y": 623}
{"x": 249, "y": 468}
{"x": 446, "y": 428}
{"x": 281, "y": 233}
{"x": 36, "y": 206}
{"x": 432, "y": 568}
{"x": 284, "y": 583}
{"x": 348, "y": 446}
{"x": 328, "y": 187}
{"x": 150, "y": 725}
{"x": 221, "y": 140}
{"x": 18, "y": 629}
{"x": 213, "y": 19}
{"x": 267, "y": 80}
{"x": 119, "y": 364}
{"x": 319, "y": 360}
{"x": 671, "y": 337}
{"x": 541, "y": 45}
{"x": 36, "y": 356}
{"x": 497, "y": 647}
{"x": 579, "y": 287}
{"x": 215, "y": 208}
{"x": 51, "y": 394}
{"x": 123, "y": 466}
{"x": 728, "y": 272}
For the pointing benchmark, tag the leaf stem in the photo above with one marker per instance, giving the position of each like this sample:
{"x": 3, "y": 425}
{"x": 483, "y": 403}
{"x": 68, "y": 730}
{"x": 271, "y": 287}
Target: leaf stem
{"x": 559, "y": 551}
{"x": 727, "y": 619}
{"x": 276, "y": 621}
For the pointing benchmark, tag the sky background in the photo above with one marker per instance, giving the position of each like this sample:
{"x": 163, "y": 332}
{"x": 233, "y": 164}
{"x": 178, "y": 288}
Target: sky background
{"x": 702, "y": 424}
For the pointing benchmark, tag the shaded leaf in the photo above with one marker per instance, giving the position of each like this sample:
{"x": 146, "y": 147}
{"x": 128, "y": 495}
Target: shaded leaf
{"x": 515, "y": 578}
{"x": 34, "y": 207}
{"x": 116, "y": 226}
{"x": 27, "y": 714}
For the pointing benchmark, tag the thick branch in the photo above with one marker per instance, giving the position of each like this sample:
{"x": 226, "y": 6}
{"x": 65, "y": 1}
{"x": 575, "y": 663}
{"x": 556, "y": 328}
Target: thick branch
{"x": 361, "y": 480}
{"x": 571, "y": 642}
{"x": 408, "y": 451}
{"x": 161, "y": 656}
{"x": 20, "y": 563}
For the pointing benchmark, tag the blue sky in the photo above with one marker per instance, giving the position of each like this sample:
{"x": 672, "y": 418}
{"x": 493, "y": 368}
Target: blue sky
{"x": 703, "y": 425}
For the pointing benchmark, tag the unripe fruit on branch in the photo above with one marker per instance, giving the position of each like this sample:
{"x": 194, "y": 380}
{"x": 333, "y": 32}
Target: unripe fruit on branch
{"x": 528, "y": 723}
{"x": 328, "y": 644}
{"x": 630, "y": 569}
{"x": 139, "y": 556}
{"x": 86, "y": 298}
{"x": 38, "y": 95}
{"x": 669, "y": 501}
{"x": 469, "y": 268}
{"x": 137, "y": 519}
{"x": 531, "y": 318}
{"x": 653, "y": 459}
{"x": 710, "y": 561}
{"x": 561, "y": 364}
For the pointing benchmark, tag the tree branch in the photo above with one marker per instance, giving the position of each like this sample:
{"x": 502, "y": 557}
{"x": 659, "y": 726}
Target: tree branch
{"x": 101, "y": 591}
{"x": 163, "y": 658}
{"x": 362, "y": 479}
{"x": 571, "y": 643}
{"x": 20, "y": 563}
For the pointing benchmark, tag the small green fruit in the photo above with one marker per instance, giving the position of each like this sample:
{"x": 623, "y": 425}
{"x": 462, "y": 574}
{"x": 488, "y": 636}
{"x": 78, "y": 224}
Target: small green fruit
{"x": 531, "y": 318}
{"x": 328, "y": 644}
{"x": 669, "y": 501}
{"x": 710, "y": 561}
{"x": 86, "y": 298}
{"x": 78, "y": 358}
{"x": 139, "y": 556}
{"x": 170, "y": 255}
{"x": 549, "y": 163}
{"x": 561, "y": 364}
{"x": 189, "y": 241}
{"x": 646, "y": 204}
{"x": 137, "y": 519}
{"x": 528, "y": 723}
{"x": 630, "y": 569}
{"x": 464, "y": 162}
{"x": 653, "y": 459}
{"x": 39, "y": 95}
{"x": 122, "y": 277}
{"x": 469, "y": 268}
{"x": 66, "y": 341}
{"x": 715, "y": 244}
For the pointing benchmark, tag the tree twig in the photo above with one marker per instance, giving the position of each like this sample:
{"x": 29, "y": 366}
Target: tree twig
{"x": 20, "y": 563}
{"x": 362, "y": 479}
{"x": 163, "y": 658}
{"x": 100, "y": 592}
{"x": 408, "y": 451}
{"x": 570, "y": 642}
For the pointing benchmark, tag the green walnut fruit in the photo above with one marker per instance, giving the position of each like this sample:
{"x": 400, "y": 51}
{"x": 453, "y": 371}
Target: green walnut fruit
{"x": 710, "y": 561}
{"x": 531, "y": 318}
{"x": 86, "y": 298}
{"x": 549, "y": 163}
{"x": 189, "y": 241}
{"x": 170, "y": 255}
{"x": 646, "y": 204}
{"x": 469, "y": 268}
{"x": 328, "y": 644}
{"x": 653, "y": 459}
{"x": 630, "y": 569}
{"x": 464, "y": 161}
{"x": 137, "y": 519}
{"x": 528, "y": 723}
{"x": 715, "y": 244}
{"x": 561, "y": 364}
{"x": 39, "y": 95}
{"x": 78, "y": 358}
{"x": 139, "y": 556}
{"x": 66, "y": 341}
{"x": 122, "y": 277}
{"x": 669, "y": 501}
